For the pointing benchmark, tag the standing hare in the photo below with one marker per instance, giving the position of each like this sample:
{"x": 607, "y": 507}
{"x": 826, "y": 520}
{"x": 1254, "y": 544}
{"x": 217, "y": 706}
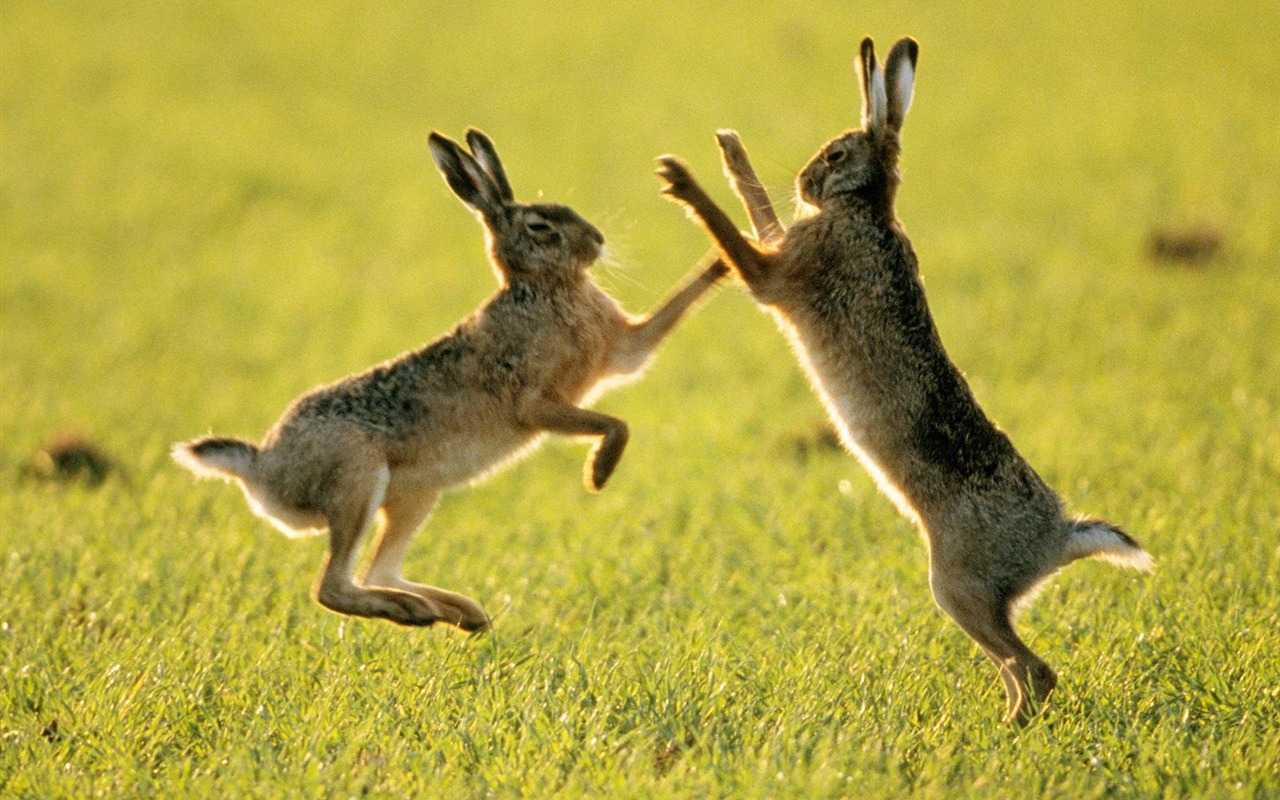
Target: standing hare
{"x": 386, "y": 443}
{"x": 844, "y": 286}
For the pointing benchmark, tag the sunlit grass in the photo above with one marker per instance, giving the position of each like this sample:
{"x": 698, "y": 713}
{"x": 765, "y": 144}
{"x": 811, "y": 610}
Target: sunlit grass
{"x": 207, "y": 209}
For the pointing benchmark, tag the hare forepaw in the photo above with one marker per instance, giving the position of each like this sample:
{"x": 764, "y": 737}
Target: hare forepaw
{"x": 596, "y": 472}
{"x": 680, "y": 184}
{"x": 733, "y": 153}
{"x": 605, "y": 456}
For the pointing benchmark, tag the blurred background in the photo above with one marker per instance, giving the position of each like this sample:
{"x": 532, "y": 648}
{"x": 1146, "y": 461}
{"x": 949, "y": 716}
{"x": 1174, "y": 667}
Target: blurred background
{"x": 208, "y": 205}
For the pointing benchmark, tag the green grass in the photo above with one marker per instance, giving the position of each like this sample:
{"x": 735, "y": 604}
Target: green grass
{"x": 206, "y": 209}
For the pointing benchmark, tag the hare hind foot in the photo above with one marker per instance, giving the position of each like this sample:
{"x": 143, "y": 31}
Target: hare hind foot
{"x": 453, "y": 608}
{"x": 984, "y": 615}
{"x": 460, "y": 611}
{"x": 402, "y": 608}
{"x": 1028, "y": 686}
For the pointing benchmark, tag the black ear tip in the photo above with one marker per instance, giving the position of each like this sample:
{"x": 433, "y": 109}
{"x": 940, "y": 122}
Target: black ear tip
{"x": 867, "y": 48}
{"x": 475, "y": 137}
{"x": 912, "y": 48}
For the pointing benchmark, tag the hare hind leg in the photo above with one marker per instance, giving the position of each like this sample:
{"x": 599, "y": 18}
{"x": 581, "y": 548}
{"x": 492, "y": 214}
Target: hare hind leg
{"x": 353, "y": 507}
{"x": 402, "y": 514}
{"x": 985, "y": 616}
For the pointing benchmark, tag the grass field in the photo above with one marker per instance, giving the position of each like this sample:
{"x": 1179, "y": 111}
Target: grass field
{"x": 206, "y": 209}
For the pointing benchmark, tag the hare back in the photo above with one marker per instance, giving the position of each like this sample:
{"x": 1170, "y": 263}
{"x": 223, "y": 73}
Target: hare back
{"x": 522, "y": 341}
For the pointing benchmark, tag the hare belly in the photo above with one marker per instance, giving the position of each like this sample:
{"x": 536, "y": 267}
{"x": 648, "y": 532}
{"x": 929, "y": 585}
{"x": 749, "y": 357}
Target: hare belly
{"x": 851, "y": 416}
{"x": 456, "y": 461}
{"x": 841, "y": 411}
{"x": 835, "y": 387}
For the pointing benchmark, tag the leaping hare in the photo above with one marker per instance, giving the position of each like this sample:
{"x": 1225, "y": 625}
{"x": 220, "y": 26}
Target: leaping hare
{"x": 386, "y": 443}
{"x": 844, "y": 286}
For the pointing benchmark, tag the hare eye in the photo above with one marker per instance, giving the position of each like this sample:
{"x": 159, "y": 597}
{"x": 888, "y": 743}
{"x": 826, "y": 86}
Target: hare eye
{"x": 835, "y": 156}
{"x": 538, "y": 226}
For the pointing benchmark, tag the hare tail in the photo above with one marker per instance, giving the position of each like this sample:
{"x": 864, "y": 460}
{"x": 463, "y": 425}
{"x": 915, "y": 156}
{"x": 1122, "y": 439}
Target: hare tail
{"x": 217, "y": 457}
{"x": 1094, "y": 538}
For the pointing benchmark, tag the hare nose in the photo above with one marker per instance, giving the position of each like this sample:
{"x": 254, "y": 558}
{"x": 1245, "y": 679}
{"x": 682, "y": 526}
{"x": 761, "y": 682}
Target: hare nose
{"x": 595, "y": 234}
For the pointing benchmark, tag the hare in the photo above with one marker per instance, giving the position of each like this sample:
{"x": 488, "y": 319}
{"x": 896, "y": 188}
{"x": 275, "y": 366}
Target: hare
{"x": 844, "y": 286}
{"x": 387, "y": 442}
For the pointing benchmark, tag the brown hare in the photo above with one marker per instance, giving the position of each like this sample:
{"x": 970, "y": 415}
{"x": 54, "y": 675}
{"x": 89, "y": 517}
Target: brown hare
{"x": 385, "y": 443}
{"x": 844, "y": 286}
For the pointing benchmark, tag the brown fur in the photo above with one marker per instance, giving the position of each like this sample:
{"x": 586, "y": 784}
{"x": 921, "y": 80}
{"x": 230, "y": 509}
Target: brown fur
{"x": 386, "y": 443}
{"x": 844, "y": 285}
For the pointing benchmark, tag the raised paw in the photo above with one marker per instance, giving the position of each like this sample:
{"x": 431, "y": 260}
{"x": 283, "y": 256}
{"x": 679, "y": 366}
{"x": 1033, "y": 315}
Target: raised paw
{"x": 604, "y": 457}
{"x": 718, "y": 269}
{"x": 594, "y": 477}
{"x": 733, "y": 153}
{"x": 680, "y": 184}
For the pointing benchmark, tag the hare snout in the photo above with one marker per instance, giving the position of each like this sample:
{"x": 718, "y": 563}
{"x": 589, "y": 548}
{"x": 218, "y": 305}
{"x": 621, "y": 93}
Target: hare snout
{"x": 592, "y": 248}
{"x": 809, "y": 185}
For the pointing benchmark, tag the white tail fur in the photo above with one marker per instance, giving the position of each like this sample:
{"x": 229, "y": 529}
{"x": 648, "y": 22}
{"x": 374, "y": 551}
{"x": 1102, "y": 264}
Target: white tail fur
{"x": 1090, "y": 538}
{"x": 216, "y": 457}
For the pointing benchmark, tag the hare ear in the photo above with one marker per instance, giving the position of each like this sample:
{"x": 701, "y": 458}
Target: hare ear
{"x": 900, "y": 75}
{"x": 874, "y": 104}
{"x": 464, "y": 174}
{"x": 484, "y": 151}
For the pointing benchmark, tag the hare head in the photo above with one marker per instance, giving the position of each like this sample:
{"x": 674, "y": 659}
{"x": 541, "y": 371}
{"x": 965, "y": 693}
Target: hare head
{"x": 535, "y": 242}
{"x": 864, "y": 162}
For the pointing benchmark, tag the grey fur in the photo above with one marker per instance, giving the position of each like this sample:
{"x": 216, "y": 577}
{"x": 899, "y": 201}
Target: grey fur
{"x": 845, "y": 287}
